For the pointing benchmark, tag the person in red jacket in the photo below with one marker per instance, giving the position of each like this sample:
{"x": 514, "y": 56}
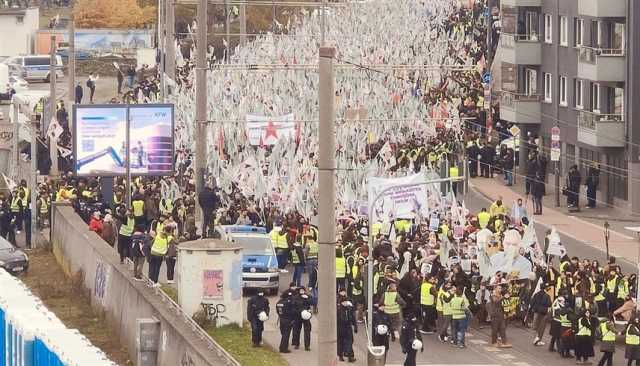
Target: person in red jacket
{"x": 96, "y": 223}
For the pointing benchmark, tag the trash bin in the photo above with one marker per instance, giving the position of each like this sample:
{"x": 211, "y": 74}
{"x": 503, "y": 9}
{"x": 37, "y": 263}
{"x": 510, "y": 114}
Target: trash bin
{"x": 377, "y": 356}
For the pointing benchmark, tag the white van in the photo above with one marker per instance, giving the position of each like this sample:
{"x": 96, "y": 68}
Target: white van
{"x": 35, "y": 67}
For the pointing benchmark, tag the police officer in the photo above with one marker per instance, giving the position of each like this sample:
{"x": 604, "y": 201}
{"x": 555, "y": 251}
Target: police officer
{"x": 303, "y": 306}
{"x": 409, "y": 333}
{"x": 346, "y": 320}
{"x": 287, "y": 313}
{"x": 256, "y": 305}
{"x": 381, "y": 327}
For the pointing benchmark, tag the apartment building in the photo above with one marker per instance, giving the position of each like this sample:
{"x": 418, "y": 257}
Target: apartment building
{"x": 574, "y": 64}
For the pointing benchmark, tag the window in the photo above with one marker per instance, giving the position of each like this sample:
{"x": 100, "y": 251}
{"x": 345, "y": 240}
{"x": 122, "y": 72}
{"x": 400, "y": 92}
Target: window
{"x": 578, "y": 94}
{"x": 531, "y": 82}
{"x": 578, "y": 31}
{"x": 595, "y": 97}
{"x": 596, "y": 33}
{"x": 548, "y": 29}
{"x": 562, "y": 90}
{"x": 547, "y": 87}
{"x": 564, "y": 32}
{"x": 531, "y": 24}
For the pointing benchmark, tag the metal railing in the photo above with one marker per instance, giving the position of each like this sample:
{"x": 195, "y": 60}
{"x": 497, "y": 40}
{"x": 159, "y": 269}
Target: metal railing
{"x": 591, "y": 54}
{"x": 509, "y": 99}
{"x": 589, "y": 120}
{"x": 509, "y": 39}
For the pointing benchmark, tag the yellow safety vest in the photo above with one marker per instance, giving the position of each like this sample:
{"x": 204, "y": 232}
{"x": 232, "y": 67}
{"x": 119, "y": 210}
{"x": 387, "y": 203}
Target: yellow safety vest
{"x": 14, "y": 204}
{"x": 631, "y": 339}
{"x": 403, "y": 226}
{"x": 426, "y": 298}
{"x": 376, "y": 279}
{"x": 458, "y": 306}
{"x": 390, "y": 304}
{"x": 160, "y": 245}
{"x": 439, "y": 301}
{"x": 44, "y": 205}
{"x": 600, "y": 295}
{"x": 483, "y": 219}
{"x": 127, "y": 230}
{"x": 138, "y": 208}
{"x": 564, "y": 321}
{"x": 582, "y": 330}
{"x": 26, "y": 193}
{"x": 166, "y": 207}
{"x": 623, "y": 289}
{"x": 446, "y": 307}
{"x": 294, "y": 256}
{"x": 376, "y": 228}
{"x": 341, "y": 267}
{"x": 607, "y": 335}
{"x": 564, "y": 265}
{"x": 279, "y": 241}
{"x": 313, "y": 249}
{"x": 611, "y": 284}
{"x": 453, "y": 171}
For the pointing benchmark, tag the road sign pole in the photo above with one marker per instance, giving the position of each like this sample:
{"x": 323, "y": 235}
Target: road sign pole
{"x": 555, "y": 157}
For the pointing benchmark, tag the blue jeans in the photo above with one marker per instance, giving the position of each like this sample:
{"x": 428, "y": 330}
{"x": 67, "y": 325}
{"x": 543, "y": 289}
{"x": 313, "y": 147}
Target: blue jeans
{"x": 312, "y": 266}
{"x": 459, "y": 328}
{"x": 283, "y": 256}
{"x": 298, "y": 270}
{"x": 509, "y": 175}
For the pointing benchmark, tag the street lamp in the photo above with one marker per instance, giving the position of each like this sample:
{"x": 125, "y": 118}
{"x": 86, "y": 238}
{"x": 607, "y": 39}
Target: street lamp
{"x": 636, "y": 229}
{"x": 606, "y": 237}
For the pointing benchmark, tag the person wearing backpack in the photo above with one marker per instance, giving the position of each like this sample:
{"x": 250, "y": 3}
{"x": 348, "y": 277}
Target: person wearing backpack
{"x": 91, "y": 84}
{"x": 138, "y": 252}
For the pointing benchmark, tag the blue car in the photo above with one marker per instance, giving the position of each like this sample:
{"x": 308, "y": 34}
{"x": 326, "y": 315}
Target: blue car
{"x": 259, "y": 262}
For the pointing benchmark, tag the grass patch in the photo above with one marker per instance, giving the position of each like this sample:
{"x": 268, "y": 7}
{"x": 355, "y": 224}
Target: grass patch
{"x": 171, "y": 292}
{"x": 237, "y": 341}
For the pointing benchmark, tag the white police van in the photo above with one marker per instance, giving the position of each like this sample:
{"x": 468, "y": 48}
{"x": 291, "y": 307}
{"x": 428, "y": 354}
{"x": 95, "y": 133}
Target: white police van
{"x": 259, "y": 262}
{"x": 35, "y": 67}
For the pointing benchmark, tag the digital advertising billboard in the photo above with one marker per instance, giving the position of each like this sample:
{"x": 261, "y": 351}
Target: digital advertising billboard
{"x": 100, "y": 139}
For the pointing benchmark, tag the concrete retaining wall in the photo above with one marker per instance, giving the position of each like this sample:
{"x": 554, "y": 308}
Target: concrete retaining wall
{"x": 124, "y": 300}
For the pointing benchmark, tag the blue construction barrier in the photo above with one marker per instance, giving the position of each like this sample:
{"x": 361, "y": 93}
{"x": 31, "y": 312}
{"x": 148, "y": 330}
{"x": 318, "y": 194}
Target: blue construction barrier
{"x": 31, "y": 335}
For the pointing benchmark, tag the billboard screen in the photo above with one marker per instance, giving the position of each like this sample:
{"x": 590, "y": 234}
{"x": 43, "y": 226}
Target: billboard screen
{"x": 151, "y": 139}
{"x": 100, "y": 139}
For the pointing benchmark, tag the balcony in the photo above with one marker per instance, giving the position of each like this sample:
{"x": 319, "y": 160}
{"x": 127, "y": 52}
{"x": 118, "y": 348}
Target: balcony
{"x": 521, "y": 3}
{"x": 521, "y": 49}
{"x": 601, "y": 130}
{"x": 599, "y": 64}
{"x": 520, "y": 108}
{"x": 603, "y": 8}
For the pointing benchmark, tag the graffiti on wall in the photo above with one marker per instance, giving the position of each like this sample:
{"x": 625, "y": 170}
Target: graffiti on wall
{"x": 101, "y": 281}
{"x": 215, "y": 312}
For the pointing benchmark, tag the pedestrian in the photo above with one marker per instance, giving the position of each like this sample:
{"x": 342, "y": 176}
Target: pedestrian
{"x": 285, "y": 308}
{"x": 139, "y": 250}
{"x": 341, "y": 269}
{"x": 444, "y": 316}
{"x": 632, "y": 341}
{"x": 346, "y": 327}
{"x": 131, "y": 75}
{"x": 17, "y": 208}
{"x": 137, "y": 203}
{"x": 79, "y": 93}
{"x": 573, "y": 188}
{"x": 540, "y": 305}
{"x": 303, "y": 319}
{"x": 459, "y": 308}
{"x": 279, "y": 239}
{"x": 381, "y": 327}
{"x": 311, "y": 252}
{"x": 91, "y": 84}
{"x": 124, "y": 235}
{"x": 508, "y": 166}
{"x": 257, "y": 314}
{"x": 584, "y": 338}
{"x": 95, "y": 224}
{"x": 159, "y": 250}
{"x": 172, "y": 254}
{"x": 108, "y": 230}
{"x": 537, "y": 191}
{"x": 297, "y": 259}
{"x": 608, "y": 345}
{"x": 499, "y": 308}
{"x": 393, "y": 303}
{"x": 208, "y": 201}
{"x": 411, "y": 340}
{"x": 120, "y": 79}
{"x": 593, "y": 180}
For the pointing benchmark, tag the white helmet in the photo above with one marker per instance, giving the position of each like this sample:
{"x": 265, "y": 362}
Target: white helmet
{"x": 382, "y": 329}
{"x": 263, "y": 317}
{"x": 305, "y": 314}
{"x": 416, "y": 345}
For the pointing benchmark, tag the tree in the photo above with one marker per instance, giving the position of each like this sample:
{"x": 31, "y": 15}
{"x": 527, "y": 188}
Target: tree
{"x": 113, "y": 14}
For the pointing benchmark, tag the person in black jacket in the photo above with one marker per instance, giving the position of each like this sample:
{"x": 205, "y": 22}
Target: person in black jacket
{"x": 208, "y": 201}
{"x": 347, "y": 326}
{"x": 573, "y": 187}
{"x": 540, "y": 304}
{"x": 408, "y": 334}
{"x": 139, "y": 250}
{"x": 380, "y": 318}
{"x": 256, "y": 305}
{"x": 593, "y": 179}
{"x": 302, "y": 302}
{"x": 79, "y": 93}
{"x": 487, "y": 154}
{"x": 287, "y": 312}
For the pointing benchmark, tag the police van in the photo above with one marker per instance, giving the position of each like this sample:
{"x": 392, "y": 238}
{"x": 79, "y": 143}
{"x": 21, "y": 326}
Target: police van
{"x": 35, "y": 67}
{"x": 259, "y": 262}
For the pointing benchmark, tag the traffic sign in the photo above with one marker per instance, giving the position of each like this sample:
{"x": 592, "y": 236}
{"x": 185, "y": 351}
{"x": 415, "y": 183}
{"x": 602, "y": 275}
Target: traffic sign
{"x": 486, "y": 77}
{"x": 555, "y": 144}
{"x": 515, "y": 131}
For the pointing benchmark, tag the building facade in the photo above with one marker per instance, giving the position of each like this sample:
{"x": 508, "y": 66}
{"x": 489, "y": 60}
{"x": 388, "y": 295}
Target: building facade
{"x": 18, "y": 27}
{"x": 573, "y": 64}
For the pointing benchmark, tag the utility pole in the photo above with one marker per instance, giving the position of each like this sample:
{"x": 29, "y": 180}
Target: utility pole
{"x": 227, "y": 28}
{"x": 327, "y": 337}
{"x": 170, "y": 62}
{"x": 71, "y": 71}
{"x": 201, "y": 95}
{"x": 243, "y": 24}
{"x": 53, "y": 142}
{"x": 162, "y": 48}
{"x": 33, "y": 187}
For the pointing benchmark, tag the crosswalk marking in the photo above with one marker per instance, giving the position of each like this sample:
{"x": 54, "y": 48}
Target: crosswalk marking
{"x": 478, "y": 341}
{"x": 506, "y": 356}
{"x": 520, "y": 363}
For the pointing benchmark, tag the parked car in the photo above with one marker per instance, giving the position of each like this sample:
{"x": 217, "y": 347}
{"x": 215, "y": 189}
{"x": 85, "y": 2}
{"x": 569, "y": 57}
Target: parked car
{"x": 12, "y": 260}
{"x": 63, "y": 51}
{"x": 35, "y": 67}
{"x": 259, "y": 262}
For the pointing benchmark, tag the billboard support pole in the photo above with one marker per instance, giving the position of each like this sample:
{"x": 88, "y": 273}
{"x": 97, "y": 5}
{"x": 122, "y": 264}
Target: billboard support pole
{"x": 34, "y": 185}
{"x": 201, "y": 96}
{"x": 53, "y": 142}
{"x": 127, "y": 159}
{"x": 71, "y": 70}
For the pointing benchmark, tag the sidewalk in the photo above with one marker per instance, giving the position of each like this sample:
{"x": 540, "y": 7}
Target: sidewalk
{"x": 585, "y": 226}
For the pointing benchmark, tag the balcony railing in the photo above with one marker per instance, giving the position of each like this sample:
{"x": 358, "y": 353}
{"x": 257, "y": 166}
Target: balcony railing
{"x": 509, "y": 39}
{"x": 589, "y": 120}
{"x": 590, "y": 55}
{"x": 509, "y": 99}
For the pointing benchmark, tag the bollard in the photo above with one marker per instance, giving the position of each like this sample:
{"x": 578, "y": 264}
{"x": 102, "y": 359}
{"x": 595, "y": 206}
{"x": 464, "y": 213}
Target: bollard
{"x": 377, "y": 356}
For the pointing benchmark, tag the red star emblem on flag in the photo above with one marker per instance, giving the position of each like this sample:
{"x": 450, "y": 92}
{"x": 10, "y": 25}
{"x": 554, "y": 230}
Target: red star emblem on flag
{"x": 271, "y": 131}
